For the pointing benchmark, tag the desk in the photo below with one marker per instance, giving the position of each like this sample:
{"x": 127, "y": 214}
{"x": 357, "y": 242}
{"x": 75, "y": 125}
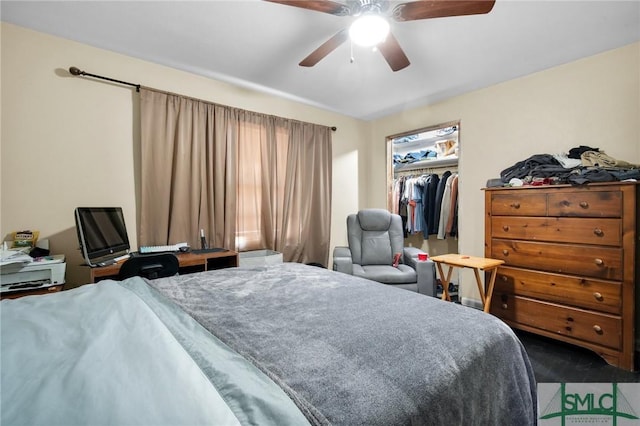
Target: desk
{"x": 189, "y": 263}
{"x": 30, "y": 292}
{"x": 477, "y": 264}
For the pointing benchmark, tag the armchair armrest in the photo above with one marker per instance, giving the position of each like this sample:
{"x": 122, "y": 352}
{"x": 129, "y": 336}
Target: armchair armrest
{"x": 410, "y": 256}
{"x": 342, "y": 260}
{"x": 425, "y": 271}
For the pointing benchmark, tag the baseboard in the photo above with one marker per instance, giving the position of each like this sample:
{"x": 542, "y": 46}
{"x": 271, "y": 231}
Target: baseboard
{"x": 472, "y": 303}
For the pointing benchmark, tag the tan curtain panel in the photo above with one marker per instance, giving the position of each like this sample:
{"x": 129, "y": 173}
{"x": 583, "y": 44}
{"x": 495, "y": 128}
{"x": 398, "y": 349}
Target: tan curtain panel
{"x": 251, "y": 181}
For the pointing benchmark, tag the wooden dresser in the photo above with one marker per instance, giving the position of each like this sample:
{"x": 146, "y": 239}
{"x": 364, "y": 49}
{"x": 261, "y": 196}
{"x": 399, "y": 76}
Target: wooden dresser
{"x": 571, "y": 256}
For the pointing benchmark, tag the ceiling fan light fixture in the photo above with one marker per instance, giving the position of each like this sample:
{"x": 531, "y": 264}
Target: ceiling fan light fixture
{"x": 369, "y": 30}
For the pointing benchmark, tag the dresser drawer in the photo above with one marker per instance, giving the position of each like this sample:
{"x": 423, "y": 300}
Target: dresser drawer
{"x": 606, "y": 232}
{"x": 588, "y": 293}
{"x": 589, "y": 261}
{"x": 514, "y": 204}
{"x": 601, "y": 329}
{"x": 586, "y": 204}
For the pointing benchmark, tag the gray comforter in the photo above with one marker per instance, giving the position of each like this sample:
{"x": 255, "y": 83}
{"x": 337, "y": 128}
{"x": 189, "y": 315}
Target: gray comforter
{"x": 353, "y": 352}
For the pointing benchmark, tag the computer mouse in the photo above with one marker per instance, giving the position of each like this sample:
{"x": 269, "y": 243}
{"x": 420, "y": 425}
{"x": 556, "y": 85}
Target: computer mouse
{"x": 184, "y": 249}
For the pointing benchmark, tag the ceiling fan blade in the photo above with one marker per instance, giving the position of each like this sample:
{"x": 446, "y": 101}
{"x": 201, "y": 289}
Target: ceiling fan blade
{"x": 427, "y": 9}
{"x": 393, "y": 53}
{"x": 327, "y": 6}
{"x": 326, "y": 48}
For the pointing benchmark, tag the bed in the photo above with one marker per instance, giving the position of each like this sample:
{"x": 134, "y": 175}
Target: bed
{"x": 285, "y": 344}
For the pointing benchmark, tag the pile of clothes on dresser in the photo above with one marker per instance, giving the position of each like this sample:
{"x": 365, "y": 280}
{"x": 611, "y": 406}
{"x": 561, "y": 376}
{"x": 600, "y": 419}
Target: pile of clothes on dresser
{"x": 580, "y": 165}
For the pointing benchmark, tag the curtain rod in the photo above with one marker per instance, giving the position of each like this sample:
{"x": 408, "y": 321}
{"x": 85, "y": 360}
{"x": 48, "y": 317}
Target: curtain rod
{"x": 78, "y": 72}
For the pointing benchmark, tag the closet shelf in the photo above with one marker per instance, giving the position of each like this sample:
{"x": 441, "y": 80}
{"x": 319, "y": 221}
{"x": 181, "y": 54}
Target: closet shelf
{"x": 404, "y": 147}
{"x": 428, "y": 163}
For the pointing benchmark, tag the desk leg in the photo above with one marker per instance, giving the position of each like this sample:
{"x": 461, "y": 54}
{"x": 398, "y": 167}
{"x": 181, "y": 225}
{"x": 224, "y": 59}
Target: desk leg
{"x": 487, "y": 304}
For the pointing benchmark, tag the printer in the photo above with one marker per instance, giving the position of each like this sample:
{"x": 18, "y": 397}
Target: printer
{"x": 42, "y": 272}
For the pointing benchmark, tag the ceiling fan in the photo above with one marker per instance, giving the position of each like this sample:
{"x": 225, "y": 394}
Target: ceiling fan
{"x": 376, "y": 13}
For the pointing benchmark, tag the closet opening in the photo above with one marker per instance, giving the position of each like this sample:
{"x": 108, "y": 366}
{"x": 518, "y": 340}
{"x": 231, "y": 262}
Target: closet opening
{"x": 422, "y": 187}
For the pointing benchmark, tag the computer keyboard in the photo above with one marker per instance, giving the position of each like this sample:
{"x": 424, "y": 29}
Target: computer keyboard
{"x": 161, "y": 249}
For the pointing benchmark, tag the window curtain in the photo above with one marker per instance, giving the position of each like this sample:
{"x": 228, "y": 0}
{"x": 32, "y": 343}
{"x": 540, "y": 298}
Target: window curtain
{"x": 251, "y": 181}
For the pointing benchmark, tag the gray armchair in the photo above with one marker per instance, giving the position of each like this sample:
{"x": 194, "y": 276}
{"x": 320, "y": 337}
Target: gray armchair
{"x": 375, "y": 236}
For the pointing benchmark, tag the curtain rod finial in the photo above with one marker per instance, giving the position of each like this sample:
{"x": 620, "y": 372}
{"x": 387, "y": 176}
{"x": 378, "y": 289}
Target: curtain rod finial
{"x": 75, "y": 71}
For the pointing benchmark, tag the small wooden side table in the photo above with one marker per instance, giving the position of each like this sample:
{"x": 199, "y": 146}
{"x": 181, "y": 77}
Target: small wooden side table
{"x": 477, "y": 264}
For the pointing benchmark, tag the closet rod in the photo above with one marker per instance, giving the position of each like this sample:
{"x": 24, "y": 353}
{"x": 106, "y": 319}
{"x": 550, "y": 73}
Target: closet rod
{"x": 421, "y": 171}
{"x": 78, "y": 72}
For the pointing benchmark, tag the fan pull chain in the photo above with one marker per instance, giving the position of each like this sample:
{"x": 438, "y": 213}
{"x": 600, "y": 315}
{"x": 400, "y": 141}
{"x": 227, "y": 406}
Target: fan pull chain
{"x": 351, "y": 59}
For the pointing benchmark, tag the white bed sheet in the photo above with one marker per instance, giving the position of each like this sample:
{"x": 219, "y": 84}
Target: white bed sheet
{"x": 57, "y": 370}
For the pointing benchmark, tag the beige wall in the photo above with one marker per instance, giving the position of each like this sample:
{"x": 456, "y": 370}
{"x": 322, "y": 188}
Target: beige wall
{"x": 594, "y": 101}
{"x": 68, "y": 141}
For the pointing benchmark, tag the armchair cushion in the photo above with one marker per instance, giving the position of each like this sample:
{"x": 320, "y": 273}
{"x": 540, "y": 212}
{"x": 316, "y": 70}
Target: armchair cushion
{"x": 386, "y": 274}
{"x": 375, "y": 235}
{"x": 376, "y": 249}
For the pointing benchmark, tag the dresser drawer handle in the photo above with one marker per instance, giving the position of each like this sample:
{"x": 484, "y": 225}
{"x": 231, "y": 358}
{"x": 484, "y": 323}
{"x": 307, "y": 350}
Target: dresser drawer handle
{"x": 515, "y": 205}
{"x": 505, "y": 228}
{"x": 598, "y": 296}
{"x": 599, "y": 262}
{"x": 584, "y": 204}
{"x": 598, "y": 232}
{"x": 505, "y": 252}
{"x": 504, "y": 278}
{"x": 505, "y": 306}
{"x": 597, "y": 329}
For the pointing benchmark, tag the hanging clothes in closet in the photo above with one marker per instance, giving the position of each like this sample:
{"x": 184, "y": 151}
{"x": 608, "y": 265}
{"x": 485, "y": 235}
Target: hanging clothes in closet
{"x": 408, "y": 192}
{"x": 431, "y": 183}
{"x": 447, "y": 206}
{"x": 451, "y": 227}
{"x": 427, "y": 203}
{"x": 399, "y": 205}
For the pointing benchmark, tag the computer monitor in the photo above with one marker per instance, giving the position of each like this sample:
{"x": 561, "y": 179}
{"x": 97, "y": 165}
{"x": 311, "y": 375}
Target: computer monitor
{"x": 102, "y": 233}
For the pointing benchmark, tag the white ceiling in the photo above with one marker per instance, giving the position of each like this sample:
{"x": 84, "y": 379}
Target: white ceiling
{"x": 257, "y": 44}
